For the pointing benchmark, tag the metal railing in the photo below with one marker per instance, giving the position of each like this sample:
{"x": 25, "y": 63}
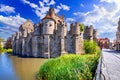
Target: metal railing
{"x": 98, "y": 71}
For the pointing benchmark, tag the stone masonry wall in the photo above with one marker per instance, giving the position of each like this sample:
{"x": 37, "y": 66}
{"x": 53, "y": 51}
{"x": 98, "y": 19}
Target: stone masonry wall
{"x": 49, "y": 38}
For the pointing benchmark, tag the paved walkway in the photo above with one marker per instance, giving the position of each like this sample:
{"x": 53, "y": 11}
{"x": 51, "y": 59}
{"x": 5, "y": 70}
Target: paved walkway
{"x": 110, "y": 65}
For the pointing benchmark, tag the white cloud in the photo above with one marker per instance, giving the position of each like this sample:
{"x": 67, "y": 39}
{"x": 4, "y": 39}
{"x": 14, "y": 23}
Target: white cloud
{"x": 52, "y": 2}
{"x": 44, "y": 5}
{"x": 64, "y": 7}
{"x": 7, "y": 9}
{"x": 31, "y": 4}
{"x": 82, "y": 5}
{"x": 40, "y": 11}
{"x": 57, "y": 10}
{"x": 46, "y": 1}
{"x": 5, "y": 33}
{"x": 41, "y": 4}
{"x": 14, "y": 21}
{"x": 103, "y": 17}
{"x": 8, "y": 29}
{"x": 9, "y": 25}
{"x": 109, "y": 1}
{"x": 70, "y": 20}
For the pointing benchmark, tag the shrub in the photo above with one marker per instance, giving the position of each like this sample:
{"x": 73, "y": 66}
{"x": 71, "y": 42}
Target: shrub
{"x": 81, "y": 27}
{"x": 8, "y": 50}
{"x": 69, "y": 67}
{"x": 91, "y": 47}
{"x": 1, "y": 48}
{"x": 5, "y": 50}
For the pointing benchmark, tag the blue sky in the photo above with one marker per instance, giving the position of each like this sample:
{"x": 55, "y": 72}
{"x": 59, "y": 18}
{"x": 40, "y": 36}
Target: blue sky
{"x": 102, "y": 14}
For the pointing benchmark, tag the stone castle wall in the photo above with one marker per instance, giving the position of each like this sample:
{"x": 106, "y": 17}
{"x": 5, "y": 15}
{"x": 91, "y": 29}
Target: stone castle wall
{"x": 90, "y": 33}
{"x": 49, "y": 38}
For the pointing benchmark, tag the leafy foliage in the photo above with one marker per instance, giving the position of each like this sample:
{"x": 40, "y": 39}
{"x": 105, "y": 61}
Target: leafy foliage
{"x": 1, "y": 39}
{"x": 8, "y": 44}
{"x": 1, "y": 48}
{"x": 91, "y": 47}
{"x": 81, "y": 27}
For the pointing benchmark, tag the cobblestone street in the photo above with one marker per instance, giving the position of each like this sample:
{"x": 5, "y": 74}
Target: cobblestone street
{"x": 110, "y": 69}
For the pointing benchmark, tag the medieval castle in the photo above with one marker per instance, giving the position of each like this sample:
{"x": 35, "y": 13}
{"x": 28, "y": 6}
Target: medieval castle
{"x": 50, "y": 38}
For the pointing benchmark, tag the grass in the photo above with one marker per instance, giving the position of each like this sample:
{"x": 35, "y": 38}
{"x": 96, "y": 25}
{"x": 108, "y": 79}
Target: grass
{"x": 71, "y": 66}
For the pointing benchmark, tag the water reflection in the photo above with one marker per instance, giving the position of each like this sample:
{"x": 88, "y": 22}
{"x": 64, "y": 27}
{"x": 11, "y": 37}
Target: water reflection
{"x": 7, "y": 71}
{"x": 16, "y": 68}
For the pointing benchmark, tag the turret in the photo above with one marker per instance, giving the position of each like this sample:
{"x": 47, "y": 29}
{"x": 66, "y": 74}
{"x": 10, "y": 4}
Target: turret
{"x": 75, "y": 29}
{"x": 13, "y": 37}
{"x": 95, "y": 34}
{"x": 17, "y": 35}
{"x": 36, "y": 29}
{"x": 91, "y": 31}
{"x": 26, "y": 28}
{"x": 119, "y": 25}
{"x": 62, "y": 29}
{"x": 48, "y": 26}
{"x": 51, "y": 12}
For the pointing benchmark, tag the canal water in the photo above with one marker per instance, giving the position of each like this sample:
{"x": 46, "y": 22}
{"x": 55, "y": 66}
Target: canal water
{"x": 17, "y": 68}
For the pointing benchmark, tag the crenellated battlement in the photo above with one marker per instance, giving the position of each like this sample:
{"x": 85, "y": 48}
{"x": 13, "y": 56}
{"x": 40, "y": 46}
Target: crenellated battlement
{"x": 50, "y": 37}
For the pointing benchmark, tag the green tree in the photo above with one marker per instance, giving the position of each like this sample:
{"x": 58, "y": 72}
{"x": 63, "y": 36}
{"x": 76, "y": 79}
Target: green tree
{"x": 1, "y": 39}
{"x": 91, "y": 47}
{"x": 81, "y": 27}
{"x": 1, "y": 48}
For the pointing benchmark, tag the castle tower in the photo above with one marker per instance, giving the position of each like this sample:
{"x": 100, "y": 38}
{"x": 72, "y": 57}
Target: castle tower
{"x": 75, "y": 29}
{"x": 53, "y": 27}
{"x": 14, "y": 43}
{"x": 118, "y": 36}
{"x": 119, "y": 25}
{"x": 51, "y": 12}
{"x": 62, "y": 32}
{"x": 94, "y": 34}
{"x": 48, "y": 29}
{"x": 36, "y": 41}
{"x": 85, "y": 33}
{"x": 17, "y": 43}
{"x": 91, "y": 32}
{"x": 25, "y": 29}
{"x": 78, "y": 47}
{"x": 77, "y": 41}
{"x": 20, "y": 43}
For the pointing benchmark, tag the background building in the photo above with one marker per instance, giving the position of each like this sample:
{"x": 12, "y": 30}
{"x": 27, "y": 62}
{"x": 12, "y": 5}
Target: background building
{"x": 118, "y": 36}
{"x": 103, "y": 42}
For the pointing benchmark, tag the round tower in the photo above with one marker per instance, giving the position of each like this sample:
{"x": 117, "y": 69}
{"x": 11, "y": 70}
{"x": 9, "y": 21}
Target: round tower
{"x": 48, "y": 26}
{"x": 17, "y": 35}
{"x": 119, "y": 25}
{"x": 76, "y": 29}
{"x": 95, "y": 34}
{"x": 51, "y": 12}
{"x": 91, "y": 31}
